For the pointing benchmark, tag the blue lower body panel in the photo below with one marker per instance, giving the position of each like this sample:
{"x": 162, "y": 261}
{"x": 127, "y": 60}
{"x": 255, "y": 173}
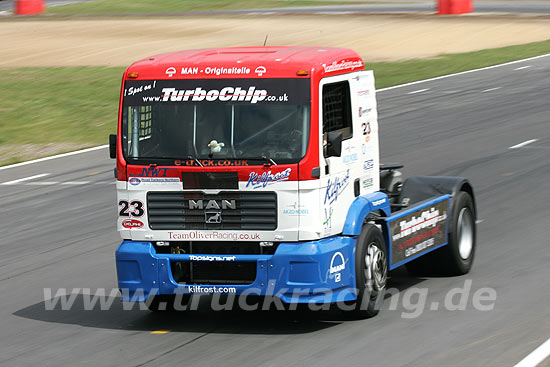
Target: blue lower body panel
{"x": 318, "y": 271}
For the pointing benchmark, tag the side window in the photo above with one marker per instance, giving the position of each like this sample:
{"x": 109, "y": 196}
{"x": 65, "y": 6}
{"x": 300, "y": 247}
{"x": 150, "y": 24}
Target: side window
{"x": 337, "y": 109}
{"x": 138, "y": 121}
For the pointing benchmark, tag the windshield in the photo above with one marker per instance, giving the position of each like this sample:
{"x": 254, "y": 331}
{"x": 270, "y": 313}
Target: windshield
{"x": 230, "y": 120}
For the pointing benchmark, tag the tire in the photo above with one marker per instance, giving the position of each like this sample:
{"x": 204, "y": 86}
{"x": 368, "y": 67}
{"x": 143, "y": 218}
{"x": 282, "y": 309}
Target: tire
{"x": 458, "y": 256}
{"x": 371, "y": 272}
{"x": 166, "y": 302}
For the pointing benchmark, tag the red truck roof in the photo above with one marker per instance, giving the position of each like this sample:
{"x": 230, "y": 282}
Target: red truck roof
{"x": 248, "y": 62}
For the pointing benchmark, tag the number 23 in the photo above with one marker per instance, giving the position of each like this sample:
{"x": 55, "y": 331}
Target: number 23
{"x": 133, "y": 208}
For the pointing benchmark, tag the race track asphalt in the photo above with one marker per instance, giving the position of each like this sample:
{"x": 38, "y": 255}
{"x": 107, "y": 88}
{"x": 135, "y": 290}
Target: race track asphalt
{"x": 534, "y": 7}
{"x": 496, "y": 7}
{"x": 58, "y": 231}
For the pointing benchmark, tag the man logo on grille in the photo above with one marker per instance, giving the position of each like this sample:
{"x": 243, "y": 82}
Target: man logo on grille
{"x": 213, "y": 217}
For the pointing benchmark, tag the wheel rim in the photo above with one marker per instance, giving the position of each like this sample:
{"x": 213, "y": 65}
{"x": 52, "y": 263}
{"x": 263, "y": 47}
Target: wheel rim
{"x": 376, "y": 268}
{"x": 465, "y": 234}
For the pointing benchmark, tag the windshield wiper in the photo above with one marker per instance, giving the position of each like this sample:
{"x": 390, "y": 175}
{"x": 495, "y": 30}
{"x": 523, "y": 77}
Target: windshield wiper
{"x": 268, "y": 161}
{"x": 195, "y": 160}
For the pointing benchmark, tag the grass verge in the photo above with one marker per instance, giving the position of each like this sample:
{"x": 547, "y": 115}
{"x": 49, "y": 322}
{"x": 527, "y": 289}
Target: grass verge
{"x": 73, "y": 107}
{"x": 169, "y": 6}
{"x": 393, "y": 73}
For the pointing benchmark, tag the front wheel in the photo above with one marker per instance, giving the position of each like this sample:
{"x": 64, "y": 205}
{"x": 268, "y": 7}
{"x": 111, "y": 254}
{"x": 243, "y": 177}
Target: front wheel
{"x": 371, "y": 272}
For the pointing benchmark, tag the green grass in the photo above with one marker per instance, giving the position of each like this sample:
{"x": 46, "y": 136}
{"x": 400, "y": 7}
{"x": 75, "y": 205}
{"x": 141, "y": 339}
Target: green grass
{"x": 55, "y": 105}
{"x": 167, "y": 6}
{"x": 78, "y": 105}
{"x": 392, "y": 73}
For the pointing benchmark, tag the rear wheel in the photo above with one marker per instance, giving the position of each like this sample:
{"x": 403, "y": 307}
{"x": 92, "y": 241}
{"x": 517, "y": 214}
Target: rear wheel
{"x": 458, "y": 256}
{"x": 371, "y": 272}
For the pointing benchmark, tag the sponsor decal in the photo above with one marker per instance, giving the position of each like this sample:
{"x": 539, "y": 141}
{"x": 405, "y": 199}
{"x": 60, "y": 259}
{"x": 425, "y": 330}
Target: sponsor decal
{"x": 211, "y": 258}
{"x": 211, "y": 163}
{"x": 242, "y": 89}
{"x": 379, "y": 202}
{"x": 189, "y": 71}
{"x": 234, "y": 94}
{"x": 216, "y": 70}
{"x": 368, "y": 165}
{"x": 134, "y": 181}
{"x": 364, "y": 148}
{"x": 160, "y": 180}
{"x": 363, "y": 110}
{"x": 327, "y": 223}
{"x": 212, "y": 235}
{"x": 260, "y": 70}
{"x": 132, "y": 91}
{"x": 267, "y": 178}
{"x": 363, "y": 93}
{"x": 419, "y": 231}
{"x": 335, "y": 188}
{"x": 368, "y": 183}
{"x": 295, "y": 209}
{"x": 350, "y": 158}
{"x": 235, "y": 70}
{"x": 154, "y": 172}
{"x": 421, "y": 246}
{"x": 337, "y": 264}
{"x": 343, "y": 65}
{"x": 210, "y": 289}
{"x": 132, "y": 223}
{"x": 426, "y": 219}
{"x": 170, "y": 71}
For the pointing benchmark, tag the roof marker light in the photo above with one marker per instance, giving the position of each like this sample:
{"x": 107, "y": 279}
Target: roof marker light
{"x": 133, "y": 75}
{"x": 302, "y": 73}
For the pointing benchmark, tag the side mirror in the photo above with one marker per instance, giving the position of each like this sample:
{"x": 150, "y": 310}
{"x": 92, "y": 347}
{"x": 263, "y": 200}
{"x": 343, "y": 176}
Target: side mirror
{"x": 334, "y": 144}
{"x": 112, "y": 145}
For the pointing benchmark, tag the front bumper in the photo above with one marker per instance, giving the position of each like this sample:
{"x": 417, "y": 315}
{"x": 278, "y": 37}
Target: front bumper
{"x": 302, "y": 272}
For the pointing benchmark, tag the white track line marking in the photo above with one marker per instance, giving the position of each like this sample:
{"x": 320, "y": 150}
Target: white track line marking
{"x": 536, "y": 356}
{"x": 54, "y": 157}
{"x": 419, "y": 91}
{"x": 75, "y": 183}
{"x": 42, "y": 183}
{"x": 523, "y": 67}
{"x": 24, "y": 179}
{"x": 379, "y": 90}
{"x": 461, "y": 73}
{"x": 479, "y": 221}
{"x": 490, "y": 89}
{"x": 523, "y": 144}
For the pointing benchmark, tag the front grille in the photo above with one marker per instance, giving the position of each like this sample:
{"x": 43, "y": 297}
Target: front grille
{"x": 173, "y": 211}
{"x": 215, "y": 272}
{"x": 216, "y": 248}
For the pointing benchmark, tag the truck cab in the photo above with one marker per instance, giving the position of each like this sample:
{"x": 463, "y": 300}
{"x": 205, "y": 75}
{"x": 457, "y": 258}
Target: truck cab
{"x": 249, "y": 169}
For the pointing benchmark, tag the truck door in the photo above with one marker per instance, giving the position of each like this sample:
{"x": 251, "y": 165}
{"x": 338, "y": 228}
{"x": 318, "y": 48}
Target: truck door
{"x": 344, "y": 109}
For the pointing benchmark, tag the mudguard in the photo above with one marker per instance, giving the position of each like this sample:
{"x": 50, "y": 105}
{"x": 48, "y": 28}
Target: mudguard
{"x": 363, "y": 206}
{"x": 419, "y": 188}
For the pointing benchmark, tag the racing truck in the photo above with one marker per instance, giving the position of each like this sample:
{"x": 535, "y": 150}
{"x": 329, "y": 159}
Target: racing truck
{"x": 255, "y": 171}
